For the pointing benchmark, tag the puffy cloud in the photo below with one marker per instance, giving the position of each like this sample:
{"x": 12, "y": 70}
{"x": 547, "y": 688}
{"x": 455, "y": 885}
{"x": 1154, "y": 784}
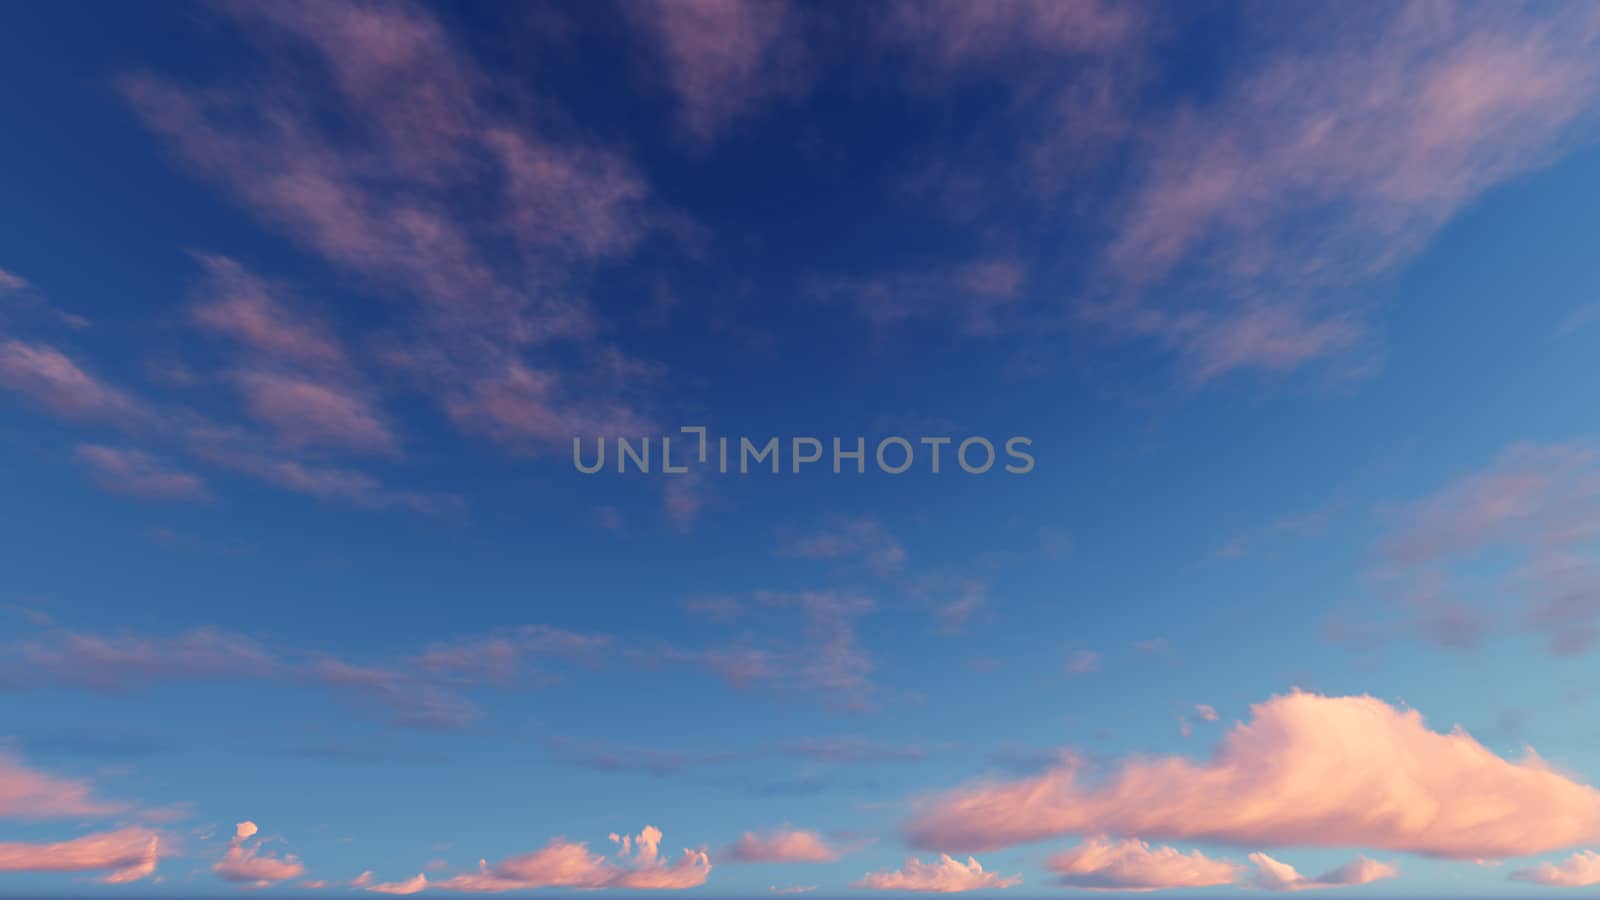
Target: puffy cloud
{"x": 1581, "y": 869}
{"x": 946, "y": 876}
{"x": 1273, "y": 875}
{"x": 1307, "y": 770}
{"x": 127, "y": 855}
{"x": 564, "y": 863}
{"x": 28, "y": 794}
{"x": 135, "y": 472}
{"x": 793, "y": 846}
{"x": 1133, "y": 865}
{"x": 245, "y": 863}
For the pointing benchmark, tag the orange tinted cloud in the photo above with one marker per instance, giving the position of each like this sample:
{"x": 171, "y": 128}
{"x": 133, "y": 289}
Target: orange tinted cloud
{"x": 129, "y": 854}
{"x": 1307, "y": 770}
{"x": 564, "y": 863}
{"x": 245, "y": 863}
{"x": 27, "y": 794}
{"x": 1133, "y": 865}
{"x": 1272, "y": 875}
{"x": 946, "y": 876}
{"x": 413, "y": 885}
{"x": 1578, "y": 870}
{"x": 781, "y": 846}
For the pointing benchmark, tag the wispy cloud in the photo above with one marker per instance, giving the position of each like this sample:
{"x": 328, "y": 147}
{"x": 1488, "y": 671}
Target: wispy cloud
{"x": 125, "y": 855}
{"x": 135, "y": 472}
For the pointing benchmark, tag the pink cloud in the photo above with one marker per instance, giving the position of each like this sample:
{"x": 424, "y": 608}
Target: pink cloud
{"x": 126, "y": 855}
{"x": 724, "y": 58}
{"x": 1378, "y": 134}
{"x": 28, "y": 794}
{"x": 125, "y": 661}
{"x": 1083, "y": 662}
{"x": 245, "y": 863}
{"x": 419, "y": 126}
{"x": 135, "y": 472}
{"x": 10, "y": 282}
{"x": 954, "y": 33}
{"x": 53, "y": 379}
{"x": 1307, "y": 770}
{"x": 564, "y": 863}
{"x": 414, "y": 702}
{"x": 245, "y": 308}
{"x": 306, "y": 411}
{"x": 865, "y": 539}
{"x": 1133, "y": 865}
{"x": 946, "y": 876}
{"x": 978, "y": 296}
{"x": 1518, "y": 529}
{"x": 413, "y": 885}
{"x": 1581, "y": 869}
{"x": 788, "y": 846}
{"x": 1272, "y": 875}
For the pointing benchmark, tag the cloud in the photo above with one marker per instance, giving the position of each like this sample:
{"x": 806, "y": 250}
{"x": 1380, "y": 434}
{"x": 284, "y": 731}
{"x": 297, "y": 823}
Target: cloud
{"x": 309, "y": 412}
{"x": 29, "y": 794}
{"x": 1205, "y": 712}
{"x": 50, "y": 377}
{"x": 725, "y": 58}
{"x": 1581, "y": 869}
{"x": 244, "y": 863}
{"x": 239, "y": 305}
{"x": 946, "y": 876}
{"x": 1522, "y": 528}
{"x": 864, "y": 539}
{"x": 128, "y": 471}
{"x": 1083, "y": 662}
{"x": 413, "y": 702}
{"x": 784, "y": 846}
{"x": 955, "y": 34}
{"x": 1330, "y": 162}
{"x": 10, "y": 282}
{"x": 564, "y": 863}
{"x": 1133, "y": 865}
{"x": 126, "y": 855}
{"x": 822, "y": 652}
{"x": 978, "y": 296}
{"x": 1307, "y": 770}
{"x": 127, "y": 661}
{"x": 369, "y": 137}
{"x": 414, "y": 885}
{"x": 1272, "y": 875}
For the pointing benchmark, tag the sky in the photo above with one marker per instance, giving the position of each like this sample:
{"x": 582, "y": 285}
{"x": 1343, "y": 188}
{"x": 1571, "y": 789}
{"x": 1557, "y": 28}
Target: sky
{"x": 1279, "y": 322}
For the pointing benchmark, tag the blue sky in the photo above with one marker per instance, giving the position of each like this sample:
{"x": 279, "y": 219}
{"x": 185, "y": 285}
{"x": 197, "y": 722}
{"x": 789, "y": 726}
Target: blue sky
{"x": 302, "y": 306}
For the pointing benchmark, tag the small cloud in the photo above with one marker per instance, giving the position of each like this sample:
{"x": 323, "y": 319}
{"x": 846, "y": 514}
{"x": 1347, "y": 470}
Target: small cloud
{"x": 944, "y": 876}
{"x": 1083, "y": 662}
